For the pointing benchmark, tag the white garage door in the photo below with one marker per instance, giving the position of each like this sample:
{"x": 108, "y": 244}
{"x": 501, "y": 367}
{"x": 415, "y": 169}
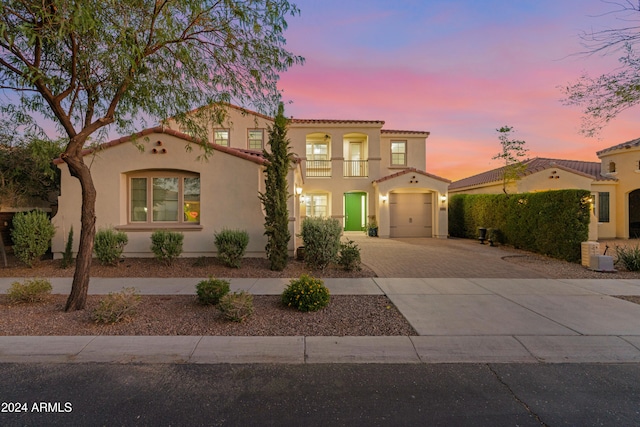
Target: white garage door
{"x": 411, "y": 214}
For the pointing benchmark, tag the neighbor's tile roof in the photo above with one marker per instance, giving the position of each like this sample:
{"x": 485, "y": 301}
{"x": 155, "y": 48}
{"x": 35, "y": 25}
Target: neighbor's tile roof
{"x": 537, "y": 164}
{"x": 410, "y": 170}
{"x": 628, "y": 144}
{"x": 251, "y": 155}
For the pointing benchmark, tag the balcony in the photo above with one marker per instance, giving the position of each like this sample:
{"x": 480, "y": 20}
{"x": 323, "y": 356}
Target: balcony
{"x": 356, "y": 168}
{"x": 319, "y": 168}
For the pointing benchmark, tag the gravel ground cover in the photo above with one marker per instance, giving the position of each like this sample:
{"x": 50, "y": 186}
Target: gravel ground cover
{"x": 358, "y": 315}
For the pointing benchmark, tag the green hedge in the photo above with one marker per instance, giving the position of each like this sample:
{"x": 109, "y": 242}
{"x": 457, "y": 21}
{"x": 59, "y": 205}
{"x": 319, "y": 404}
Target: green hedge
{"x": 552, "y": 223}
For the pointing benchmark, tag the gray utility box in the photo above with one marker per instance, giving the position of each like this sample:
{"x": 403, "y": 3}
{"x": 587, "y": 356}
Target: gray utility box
{"x": 601, "y": 263}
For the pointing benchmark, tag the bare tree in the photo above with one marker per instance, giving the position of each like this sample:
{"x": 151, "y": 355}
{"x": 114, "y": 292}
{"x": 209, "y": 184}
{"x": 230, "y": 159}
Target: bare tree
{"x": 88, "y": 64}
{"x": 512, "y": 154}
{"x": 603, "y": 98}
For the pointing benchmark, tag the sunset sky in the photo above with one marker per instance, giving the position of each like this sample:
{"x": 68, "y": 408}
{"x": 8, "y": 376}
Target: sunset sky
{"x": 459, "y": 69}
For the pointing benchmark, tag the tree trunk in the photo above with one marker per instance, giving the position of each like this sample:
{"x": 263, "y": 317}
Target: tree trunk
{"x": 80, "y": 286}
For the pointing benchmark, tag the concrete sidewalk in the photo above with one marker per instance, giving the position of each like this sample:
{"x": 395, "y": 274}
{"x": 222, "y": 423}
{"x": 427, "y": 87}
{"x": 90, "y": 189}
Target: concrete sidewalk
{"x": 457, "y": 321}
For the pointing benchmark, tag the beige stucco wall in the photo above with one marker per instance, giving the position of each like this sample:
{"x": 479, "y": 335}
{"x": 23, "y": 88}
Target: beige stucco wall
{"x": 628, "y": 179}
{"x": 238, "y": 124}
{"x": 340, "y": 135}
{"x": 552, "y": 179}
{"x": 228, "y": 196}
{"x": 416, "y": 152}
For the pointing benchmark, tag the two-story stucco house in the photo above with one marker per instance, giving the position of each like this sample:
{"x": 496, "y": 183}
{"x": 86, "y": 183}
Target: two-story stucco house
{"x": 614, "y": 183}
{"x": 351, "y": 170}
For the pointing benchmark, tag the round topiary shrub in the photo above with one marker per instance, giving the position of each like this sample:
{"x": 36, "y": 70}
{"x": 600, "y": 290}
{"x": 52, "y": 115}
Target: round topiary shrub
{"x": 306, "y": 294}
{"x": 211, "y": 290}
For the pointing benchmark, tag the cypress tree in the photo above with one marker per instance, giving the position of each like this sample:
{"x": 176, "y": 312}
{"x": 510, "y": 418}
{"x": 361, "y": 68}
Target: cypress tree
{"x": 276, "y": 193}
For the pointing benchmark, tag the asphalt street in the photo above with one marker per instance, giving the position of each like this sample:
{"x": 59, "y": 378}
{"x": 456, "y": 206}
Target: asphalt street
{"x": 320, "y": 395}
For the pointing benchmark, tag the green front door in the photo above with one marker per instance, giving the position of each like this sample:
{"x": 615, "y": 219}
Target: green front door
{"x": 355, "y": 208}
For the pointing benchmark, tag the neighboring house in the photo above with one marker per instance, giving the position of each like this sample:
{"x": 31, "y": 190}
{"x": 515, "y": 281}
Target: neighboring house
{"x": 614, "y": 183}
{"x": 352, "y": 170}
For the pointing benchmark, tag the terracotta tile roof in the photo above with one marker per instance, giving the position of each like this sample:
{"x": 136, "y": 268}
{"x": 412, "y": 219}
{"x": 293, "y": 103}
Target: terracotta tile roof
{"x": 251, "y": 155}
{"x": 628, "y": 144}
{"x": 410, "y": 170}
{"x": 336, "y": 121}
{"x": 410, "y": 132}
{"x": 537, "y": 164}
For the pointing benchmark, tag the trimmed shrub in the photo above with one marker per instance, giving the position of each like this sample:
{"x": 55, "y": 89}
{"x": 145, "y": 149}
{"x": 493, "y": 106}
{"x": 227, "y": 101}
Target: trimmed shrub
{"x": 306, "y": 294}
{"x": 231, "y": 245}
{"x": 236, "y": 306}
{"x": 210, "y": 291}
{"x": 34, "y": 290}
{"x": 67, "y": 256}
{"x": 629, "y": 257}
{"x": 109, "y": 245}
{"x": 349, "y": 257}
{"x": 552, "y": 223}
{"x": 117, "y": 306}
{"x": 32, "y": 233}
{"x": 166, "y": 245}
{"x": 321, "y": 238}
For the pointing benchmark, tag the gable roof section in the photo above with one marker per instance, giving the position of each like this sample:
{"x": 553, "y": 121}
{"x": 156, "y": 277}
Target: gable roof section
{"x": 410, "y": 170}
{"x": 628, "y": 144}
{"x": 251, "y": 155}
{"x": 537, "y": 164}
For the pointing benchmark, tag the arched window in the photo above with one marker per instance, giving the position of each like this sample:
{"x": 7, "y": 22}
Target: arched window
{"x": 164, "y": 197}
{"x": 612, "y": 167}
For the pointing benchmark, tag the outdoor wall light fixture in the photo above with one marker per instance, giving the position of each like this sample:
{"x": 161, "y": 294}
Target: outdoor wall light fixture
{"x": 443, "y": 198}
{"x": 384, "y": 199}
{"x": 298, "y": 190}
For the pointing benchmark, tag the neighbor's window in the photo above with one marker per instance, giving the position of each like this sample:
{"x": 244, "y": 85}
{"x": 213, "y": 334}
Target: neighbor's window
{"x": 603, "y": 207}
{"x": 317, "y": 205}
{"x": 398, "y": 153}
{"x": 255, "y": 139}
{"x": 221, "y": 137}
{"x": 612, "y": 167}
{"x": 164, "y": 197}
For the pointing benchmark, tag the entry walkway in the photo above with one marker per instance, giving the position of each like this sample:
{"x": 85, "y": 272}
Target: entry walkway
{"x": 459, "y": 320}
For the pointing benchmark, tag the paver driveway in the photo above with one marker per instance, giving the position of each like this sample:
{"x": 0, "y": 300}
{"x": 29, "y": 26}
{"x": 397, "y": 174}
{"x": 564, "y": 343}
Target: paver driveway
{"x": 424, "y": 257}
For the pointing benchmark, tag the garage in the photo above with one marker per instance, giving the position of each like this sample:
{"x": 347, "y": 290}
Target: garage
{"x": 411, "y": 214}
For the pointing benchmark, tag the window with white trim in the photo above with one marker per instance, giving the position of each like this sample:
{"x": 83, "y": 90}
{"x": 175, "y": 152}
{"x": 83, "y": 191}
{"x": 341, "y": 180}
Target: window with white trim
{"x": 164, "y": 197}
{"x": 317, "y": 205}
{"x": 221, "y": 137}
{"x": 398, "y": 153}
{"x": 256, "y": 139}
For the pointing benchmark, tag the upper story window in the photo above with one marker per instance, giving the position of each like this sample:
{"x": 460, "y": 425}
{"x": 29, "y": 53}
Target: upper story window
{"x": 317, "y": 150}
{"x": 256, "y": 139}
{"x": 221, "y": 137}
{"x": 612, "y": 167}
{"x": 398, "y": 153}
{"x": 164, "y": 197}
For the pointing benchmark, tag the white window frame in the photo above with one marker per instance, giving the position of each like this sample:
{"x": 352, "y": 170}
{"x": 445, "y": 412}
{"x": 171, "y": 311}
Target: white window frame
{"x": 187, "y": 212}
{"x": 251, "y": 140}
{"x": 225, "y": 142}
{"x": 404, "y": 153}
